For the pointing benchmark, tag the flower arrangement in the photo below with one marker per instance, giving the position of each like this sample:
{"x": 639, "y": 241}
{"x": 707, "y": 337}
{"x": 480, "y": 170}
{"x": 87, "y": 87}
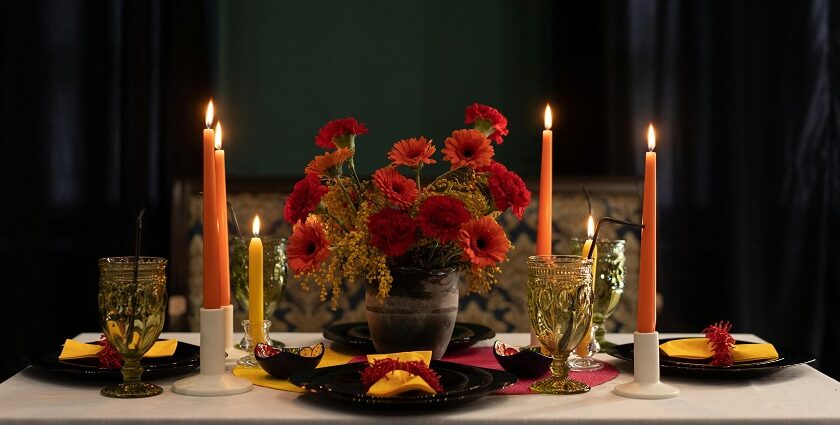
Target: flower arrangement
{"x": 348, "y": 228}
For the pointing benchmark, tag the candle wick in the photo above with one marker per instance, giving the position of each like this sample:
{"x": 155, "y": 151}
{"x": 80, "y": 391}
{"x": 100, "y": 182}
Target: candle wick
{"x": 588, "y": 199}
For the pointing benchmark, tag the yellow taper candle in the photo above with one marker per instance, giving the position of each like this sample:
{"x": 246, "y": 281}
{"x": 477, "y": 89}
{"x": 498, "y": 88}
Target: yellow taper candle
{"x": 583, "y": 348}
{"x": 255, "y": 284}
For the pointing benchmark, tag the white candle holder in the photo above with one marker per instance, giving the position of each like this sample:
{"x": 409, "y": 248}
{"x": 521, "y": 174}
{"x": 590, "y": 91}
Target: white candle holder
{"x": 228, "y": 309}
{"x": 646, "y": 384}
{"x": 213, "y": 379}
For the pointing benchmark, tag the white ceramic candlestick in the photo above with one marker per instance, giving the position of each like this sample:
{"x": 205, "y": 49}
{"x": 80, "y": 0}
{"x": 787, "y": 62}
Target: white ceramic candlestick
{"x": 228, "y": 309}
{"x": 646, "y": 384}
{"x": 213, "y": 379}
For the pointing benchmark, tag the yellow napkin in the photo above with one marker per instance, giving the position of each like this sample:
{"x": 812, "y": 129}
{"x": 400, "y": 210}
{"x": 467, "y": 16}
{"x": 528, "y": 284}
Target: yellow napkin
{"x": 259, "y": 377}
{"x": 400, "y": 381}
{"x": 79, "y": 350}
{"x": 699, "y": 349}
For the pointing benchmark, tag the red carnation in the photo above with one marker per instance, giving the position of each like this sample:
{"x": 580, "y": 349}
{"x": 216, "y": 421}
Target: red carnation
{"x": 489, "y": 120}
{"x": 304, "y": 198}
{"x": 508, "y": 189}
{"x": 392, "y": 231}
{"x": 441, "y": 217}
{"x": 340, "y": 133}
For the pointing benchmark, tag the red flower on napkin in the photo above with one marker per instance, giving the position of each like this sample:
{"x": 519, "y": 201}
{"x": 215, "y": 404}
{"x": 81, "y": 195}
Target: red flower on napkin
{"x": 109, "y": 357}
{"x": 722, "y": 342}
{"x": 378, "y": 369}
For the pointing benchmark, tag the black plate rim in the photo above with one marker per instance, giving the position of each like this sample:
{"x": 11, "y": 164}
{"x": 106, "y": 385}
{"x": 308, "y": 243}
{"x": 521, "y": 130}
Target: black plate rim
{"x": 787, "y": 358}
{"x": 497, "y": 380}
{"x": 46, "y": 359}
{"x": 338, "y": 332}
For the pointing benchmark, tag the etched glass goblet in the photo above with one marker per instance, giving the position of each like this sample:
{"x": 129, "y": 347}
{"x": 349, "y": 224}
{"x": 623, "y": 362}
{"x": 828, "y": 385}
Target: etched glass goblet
{"x": 560, "y": 309}
{"x": 132, "y": 309}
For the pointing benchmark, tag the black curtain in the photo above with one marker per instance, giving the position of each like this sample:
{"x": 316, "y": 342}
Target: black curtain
{"x": 101, "y": 106}
{"x": 744, "y": 96}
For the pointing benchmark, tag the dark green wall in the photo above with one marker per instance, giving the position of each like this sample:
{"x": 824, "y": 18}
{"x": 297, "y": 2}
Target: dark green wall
{"x": 405, "y": 68}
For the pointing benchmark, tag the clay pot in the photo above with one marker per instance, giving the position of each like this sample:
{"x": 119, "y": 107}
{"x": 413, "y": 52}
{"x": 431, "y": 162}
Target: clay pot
{"x": 419, "y": 313}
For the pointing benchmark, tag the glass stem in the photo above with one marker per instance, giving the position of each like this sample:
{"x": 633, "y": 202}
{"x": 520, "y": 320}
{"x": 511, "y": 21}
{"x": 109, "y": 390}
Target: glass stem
{"x": 131, "y": 370}
{"x": 559, "y": 368}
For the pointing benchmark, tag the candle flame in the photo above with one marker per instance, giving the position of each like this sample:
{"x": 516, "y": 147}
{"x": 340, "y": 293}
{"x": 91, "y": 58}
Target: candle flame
{"x": 218, "y": 142}
{"x": 547, "y": 118}
{"x": 208, "y": 118}
{"x": 651, "y": 137}
{"x": 590, "y": 228}
{"x": 256, "y": 227}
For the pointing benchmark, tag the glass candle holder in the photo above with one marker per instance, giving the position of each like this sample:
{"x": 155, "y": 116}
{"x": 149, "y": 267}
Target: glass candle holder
{"x": 560, "y": 310}
{"x": 249, "y": 343}
{"x": 132, "y": 309}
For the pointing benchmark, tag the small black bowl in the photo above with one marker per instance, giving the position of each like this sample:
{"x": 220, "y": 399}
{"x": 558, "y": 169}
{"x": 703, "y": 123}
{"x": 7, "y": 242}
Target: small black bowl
{"x": 524, "y": 362}
{"x": 282, "y": 362}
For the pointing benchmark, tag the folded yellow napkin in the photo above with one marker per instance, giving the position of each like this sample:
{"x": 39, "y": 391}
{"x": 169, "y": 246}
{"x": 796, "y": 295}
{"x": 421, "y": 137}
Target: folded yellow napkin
{"x": 79, "y": 350}
{"x": 400, "y": 381}
{"x": 699, "y": 349}
{"x": 261, "y": 378}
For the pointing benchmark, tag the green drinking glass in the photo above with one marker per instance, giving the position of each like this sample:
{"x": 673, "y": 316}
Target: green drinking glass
{"x": 132, "y": 309}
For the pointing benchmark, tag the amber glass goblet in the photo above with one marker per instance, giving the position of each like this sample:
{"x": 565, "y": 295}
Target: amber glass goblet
{"x": 132, "y": 308}
{"x": 560, "y": 310}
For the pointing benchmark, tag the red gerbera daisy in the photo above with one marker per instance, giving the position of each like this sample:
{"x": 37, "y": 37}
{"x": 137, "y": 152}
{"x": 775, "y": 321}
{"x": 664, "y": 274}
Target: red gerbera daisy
{"x": 467, "y": 148}
{"x": 329, "y": 164}
{"x": 304, "y": 198}
{"x": 414, "y": 152}
{"x": 488, "y": 120}
{"x": 340, "y": 133}
{"x": 392, "y": 231}
{"x": 508, "y": 189}
{"x": 398, "y": 189}
{"x": 441, "y": 217}
{"x": 483, "y": 241}
{"x": 308, "y": 246}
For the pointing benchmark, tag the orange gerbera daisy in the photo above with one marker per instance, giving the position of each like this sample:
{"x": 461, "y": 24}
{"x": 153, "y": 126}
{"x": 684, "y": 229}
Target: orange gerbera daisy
{"x": 398, "y": 189}
{"x": 413, "y": 152}
{"x": 308, "y": 246}
{"x": 483, "y": 241}
{"x": 469, "y": 148}
{"x": 329, "y": 164}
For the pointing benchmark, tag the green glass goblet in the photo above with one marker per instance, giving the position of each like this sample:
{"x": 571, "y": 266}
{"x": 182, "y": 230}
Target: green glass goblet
{"x": 132, "y": 309}
{"x": 560, "y": 309}
{"x": 609, "y": 284}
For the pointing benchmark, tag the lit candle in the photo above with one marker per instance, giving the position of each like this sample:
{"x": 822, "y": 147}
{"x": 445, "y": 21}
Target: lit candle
{"x": 255, "y": 283}
{"x": 212, "y": 296}
{"x": 221, "y": 209}
{"x": 544, "y": 213}
{"x": 646, "y": 306}
{"x": 583, "y": 348}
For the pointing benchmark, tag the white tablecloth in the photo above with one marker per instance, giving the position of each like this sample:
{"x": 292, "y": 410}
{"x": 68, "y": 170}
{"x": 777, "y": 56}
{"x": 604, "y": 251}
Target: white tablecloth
{"x": 797, "y": 394}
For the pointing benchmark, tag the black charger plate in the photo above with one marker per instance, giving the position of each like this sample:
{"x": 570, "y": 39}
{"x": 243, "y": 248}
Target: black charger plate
{"x": 357, "y": 334}
{"x": 461, "y": 384}
{"x": 683, "y": 367}
{"x": 184, "y": 360}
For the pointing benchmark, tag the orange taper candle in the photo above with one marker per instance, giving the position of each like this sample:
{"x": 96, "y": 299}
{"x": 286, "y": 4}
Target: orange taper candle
{"x": 212, "y": 296}
{"x": 221, "y": 210}
{"x": 544, "y": 212}
{"x": 646, "y": 306}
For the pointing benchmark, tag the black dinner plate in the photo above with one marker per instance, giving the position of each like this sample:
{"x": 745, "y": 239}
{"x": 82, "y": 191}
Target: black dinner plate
{"x": 461, "y": 384}
{"x": 184, "y": 360}
{"x": 357, "y": 334}
{"x": 696, "y": 369}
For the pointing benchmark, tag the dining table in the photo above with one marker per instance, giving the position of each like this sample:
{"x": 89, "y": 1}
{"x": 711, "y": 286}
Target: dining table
{"x": 798, "y": 394}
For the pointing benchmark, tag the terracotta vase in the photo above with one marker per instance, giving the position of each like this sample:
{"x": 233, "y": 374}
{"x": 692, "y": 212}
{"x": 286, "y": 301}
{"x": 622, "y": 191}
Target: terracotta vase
{"x": 419, "y": 313}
